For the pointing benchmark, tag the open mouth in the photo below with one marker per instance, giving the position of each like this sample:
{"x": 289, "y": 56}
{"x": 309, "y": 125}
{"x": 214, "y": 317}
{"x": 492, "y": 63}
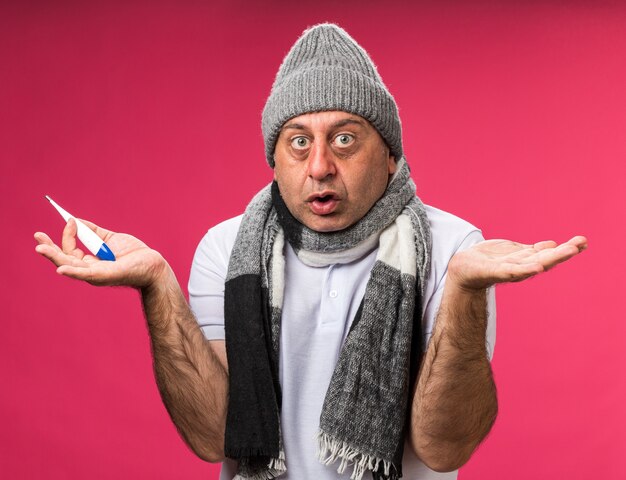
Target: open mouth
{"x": 323, "y": 203}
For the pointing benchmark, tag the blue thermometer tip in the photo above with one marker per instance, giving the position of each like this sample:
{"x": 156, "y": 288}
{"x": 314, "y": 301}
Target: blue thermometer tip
{"x": 105, "y": 253}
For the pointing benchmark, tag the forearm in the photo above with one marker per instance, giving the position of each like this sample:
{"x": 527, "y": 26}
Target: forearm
{"x": 454, "y": 405}
{"x": 191, "y": 379}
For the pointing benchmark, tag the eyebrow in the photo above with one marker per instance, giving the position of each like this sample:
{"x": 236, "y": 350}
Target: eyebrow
{"x": 347, "y": 121}
{"x": 295, "y": 126}
{"x": 339, "y": 124}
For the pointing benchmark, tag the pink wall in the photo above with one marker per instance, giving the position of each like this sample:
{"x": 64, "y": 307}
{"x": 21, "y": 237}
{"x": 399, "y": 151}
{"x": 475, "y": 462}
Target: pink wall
{"x": 145, "y": 118}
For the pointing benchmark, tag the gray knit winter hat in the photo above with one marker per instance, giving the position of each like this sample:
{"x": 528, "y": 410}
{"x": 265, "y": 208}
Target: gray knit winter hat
{"x": 327, "y": 70}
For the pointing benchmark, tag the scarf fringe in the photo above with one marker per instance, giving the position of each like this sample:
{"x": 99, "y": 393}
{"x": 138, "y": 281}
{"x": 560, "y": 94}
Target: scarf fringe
{"x": 275, "y": 468}
{"x": 330, "y": 449}
{"x": 278, "y": 464}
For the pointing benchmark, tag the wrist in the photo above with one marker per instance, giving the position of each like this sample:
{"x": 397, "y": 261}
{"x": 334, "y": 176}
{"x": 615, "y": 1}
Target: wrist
{"x": 462, "y": 291}
{"x": 160, "y": 274}
{"x": 466, "y": 307}
{"x": 463, "y": 277}
{"x": 160, "y": 297}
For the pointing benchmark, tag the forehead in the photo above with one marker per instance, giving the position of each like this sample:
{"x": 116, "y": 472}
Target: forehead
{"x": 325, "y": 120}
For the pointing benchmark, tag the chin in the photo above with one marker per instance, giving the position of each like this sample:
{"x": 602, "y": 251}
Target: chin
{"x": 327, "y": 225}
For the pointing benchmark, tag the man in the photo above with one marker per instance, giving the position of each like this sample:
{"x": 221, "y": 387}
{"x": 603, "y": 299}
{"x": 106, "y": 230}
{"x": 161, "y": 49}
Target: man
{"x": 340, "y": 317}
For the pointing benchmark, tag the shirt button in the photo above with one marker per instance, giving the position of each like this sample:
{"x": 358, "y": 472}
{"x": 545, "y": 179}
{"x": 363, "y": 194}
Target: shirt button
{"x": 333, "y": 293}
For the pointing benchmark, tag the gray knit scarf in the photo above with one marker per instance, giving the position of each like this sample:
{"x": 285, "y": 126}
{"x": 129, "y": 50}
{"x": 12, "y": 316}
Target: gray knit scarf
{"x": 364, "y": 417}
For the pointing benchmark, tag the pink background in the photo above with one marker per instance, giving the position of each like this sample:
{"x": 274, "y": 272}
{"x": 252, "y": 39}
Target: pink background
{"x": 145, "y": 117}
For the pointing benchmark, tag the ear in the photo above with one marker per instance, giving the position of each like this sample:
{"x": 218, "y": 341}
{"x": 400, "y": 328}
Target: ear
{"x": 391, "y": 164}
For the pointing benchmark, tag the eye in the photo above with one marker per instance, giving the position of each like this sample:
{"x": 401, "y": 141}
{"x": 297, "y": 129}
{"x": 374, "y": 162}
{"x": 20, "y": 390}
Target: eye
{"x": 344, "y": 140}
{"x": 300, "y": 143}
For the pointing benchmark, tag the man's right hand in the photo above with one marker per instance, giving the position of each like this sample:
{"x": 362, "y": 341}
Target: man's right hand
{"x": 136, "y": 264}
{"x": 190, "y": 371}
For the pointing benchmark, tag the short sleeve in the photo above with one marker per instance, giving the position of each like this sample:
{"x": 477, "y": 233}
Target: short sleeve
{"x": 208, "y": 276}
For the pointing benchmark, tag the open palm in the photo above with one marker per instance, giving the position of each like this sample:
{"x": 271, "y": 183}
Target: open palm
{"x": 498, "y": 261}
{"x": 136, "y": 264}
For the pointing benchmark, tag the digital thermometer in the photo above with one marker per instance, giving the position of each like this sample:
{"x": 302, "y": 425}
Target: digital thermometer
{"x": 89, "y": 238}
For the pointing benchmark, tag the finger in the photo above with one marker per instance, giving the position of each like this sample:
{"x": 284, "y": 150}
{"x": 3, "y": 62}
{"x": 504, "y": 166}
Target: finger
{"x": 56, "y": 255}
{"x": 579, "y": 242}
{"x": 77, "y": 272}
{"x": 45, "y": 245}
{"x": 42, "y": 238}
{"x": 562, "y": 253}
{"x": 533, "y": 249}
{"x": 68, "y": 240}
{"x": 91, "y": 273}
{"x": 103, "y": 233}
{"x": 47, "y": 250}
{"x": 551, "y": 257}
{"x": 544, "y": 244}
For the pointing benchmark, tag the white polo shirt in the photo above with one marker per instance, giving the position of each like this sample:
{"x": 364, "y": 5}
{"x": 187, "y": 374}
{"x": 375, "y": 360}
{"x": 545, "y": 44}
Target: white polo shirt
{"x": 318, "y": 308}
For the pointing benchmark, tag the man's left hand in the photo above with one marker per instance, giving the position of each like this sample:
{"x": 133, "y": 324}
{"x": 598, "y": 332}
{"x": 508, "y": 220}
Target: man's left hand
{"x": 499, "y": 261}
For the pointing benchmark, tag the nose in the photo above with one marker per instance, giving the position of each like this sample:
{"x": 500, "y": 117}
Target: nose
{"x": 321, "y": 162}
